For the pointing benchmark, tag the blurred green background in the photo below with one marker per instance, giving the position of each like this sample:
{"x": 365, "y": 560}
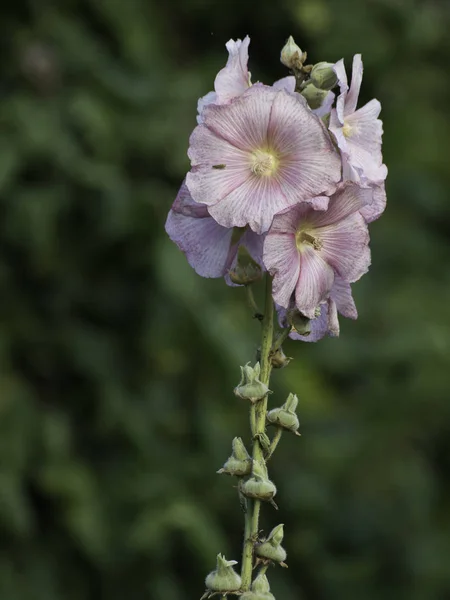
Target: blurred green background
{"x": 117, "y": 362}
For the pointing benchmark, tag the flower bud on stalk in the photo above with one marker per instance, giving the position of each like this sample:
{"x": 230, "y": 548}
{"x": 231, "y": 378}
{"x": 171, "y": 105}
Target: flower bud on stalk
{"x": 224, "y": 578}
{"x": 271, "y": 548}
{"x": 259, "y": 485}
{"x": 291, "y": 55}
{"x": 240, "y": 462}
{"x": 323, "y": 76}
{"x": 260, "y": 590}
{"x": 250, "y": 387}
{"x": 285, "y": 416}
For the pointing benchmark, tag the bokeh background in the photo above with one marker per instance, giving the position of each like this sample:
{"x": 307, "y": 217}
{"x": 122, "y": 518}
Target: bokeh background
{"x": 117, "y": 362}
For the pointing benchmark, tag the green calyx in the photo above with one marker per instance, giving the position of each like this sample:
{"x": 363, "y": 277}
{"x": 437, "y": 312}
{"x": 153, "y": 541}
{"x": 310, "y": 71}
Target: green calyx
{"x": 314, "y": 96}
{"x": 271, "y": 549}
{"x": 259, "y": 486}
{"x": 323, "y": 76}
{"x": 224, "y": 578}
{"x": 247, "y": 270}
{"x": 260, "y": 590}
{"x": 285, "y": 416}
{"x": 240, "y": 462}
{"x": 250, "y": 387}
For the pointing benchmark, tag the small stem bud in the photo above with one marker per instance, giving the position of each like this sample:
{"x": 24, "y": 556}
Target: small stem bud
{"x": 259, "y": 485}
{"x": 250, "y": 387}
{"x": 224, "y": 578}
{"x": 240, "y": 462}
{"x": 285, "y": 416}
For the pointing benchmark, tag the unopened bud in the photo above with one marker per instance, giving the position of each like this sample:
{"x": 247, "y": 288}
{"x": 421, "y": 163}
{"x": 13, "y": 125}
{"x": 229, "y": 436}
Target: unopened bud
{"x": 291, "y": 55}
{"x": 271, "y": 548}
{"x": 246, "y": 270}
{"x": 285, "y": 416}
{"x": 259, "y": 485}
{"x": 313, "y": 96}
{"x": 260, "y": 590}
{"x": 224, "y": 578}
{"x": 323, "y": 76}
{"x": 279, "y": 360}
{"x": 240, "y": 462}
{"x": 250, "y": 387}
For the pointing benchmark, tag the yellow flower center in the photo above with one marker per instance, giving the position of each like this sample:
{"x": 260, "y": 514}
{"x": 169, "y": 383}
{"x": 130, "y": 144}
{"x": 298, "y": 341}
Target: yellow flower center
{"x": 307, "y": 238}
{"x": 264, "y": 163}
{"x": 347, "y": 130}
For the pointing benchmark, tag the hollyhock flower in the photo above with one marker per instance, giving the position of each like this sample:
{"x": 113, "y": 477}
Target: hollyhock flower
{"x": 234, "y": 79}
{"x": 326, "y": 322}
{"x": 210, "y": 249}
{"x": 357, "y": 132}
{"x": 308, "y": 245}
{"x": 258, "y": 155}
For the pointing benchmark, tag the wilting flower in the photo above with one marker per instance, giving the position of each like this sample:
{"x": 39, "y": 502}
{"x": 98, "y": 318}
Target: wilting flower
{"x": 210, "y": 249}
{"x": 326, "y": 322}
{"x": 258, "y": 155}
{"x": 308, "y": 245}
{"x": 357, "y": 132}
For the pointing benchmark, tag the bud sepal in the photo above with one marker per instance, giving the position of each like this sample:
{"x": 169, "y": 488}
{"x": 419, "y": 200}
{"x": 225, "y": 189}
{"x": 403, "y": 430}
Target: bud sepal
{"x": 285, "y": 416}
{"x": 240, "y": 462}
{"x": 270, "y": 549}
{"x": 259, "y": 486}
{"x": 224, "y": 578}
{"x": 323, "y": 76}
{"x": 260, "y": 589}
{"x": 250, "y": 387}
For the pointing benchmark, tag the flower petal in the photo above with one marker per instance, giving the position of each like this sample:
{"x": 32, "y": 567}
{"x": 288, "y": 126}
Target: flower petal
{"x": 281, "y": 259}
{"x": 209, "y": 98}
{"x": 352, "y": 97}
{"x": 372, "y": 211}
{"x": 349, "y": 199}
{"x": 345, "y": 246}
{"x": 314, "y": 283}
{"x": 205, "y": 243}
{"x": 339, "y": 69}
{"x": 342, "y": 296}
{"x": 309, "y": 164}
{"x": 286, "y": 83}
{"x": 234, "y": 79}
{"x": 325, "y": 108}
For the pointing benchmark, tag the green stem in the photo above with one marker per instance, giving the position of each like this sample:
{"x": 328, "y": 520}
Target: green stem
{"x": 276, "y": 438}
{"x": 259, "y": 421}
{"x": 252, "y": 303}
{"x": 282, "y": 337}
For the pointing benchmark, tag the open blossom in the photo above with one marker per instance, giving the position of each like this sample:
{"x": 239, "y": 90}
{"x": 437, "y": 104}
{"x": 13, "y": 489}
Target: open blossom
{"x": 308, "y": 245}
{"x": 325, "y": 322}
{"x": 258, "y": 155}
{"x": 357, "y": 132}
{"x": 210, "y": 249}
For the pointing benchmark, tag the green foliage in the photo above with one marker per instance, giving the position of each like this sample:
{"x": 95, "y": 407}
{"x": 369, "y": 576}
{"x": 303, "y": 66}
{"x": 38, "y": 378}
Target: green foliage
{"x": 117, "y": 363}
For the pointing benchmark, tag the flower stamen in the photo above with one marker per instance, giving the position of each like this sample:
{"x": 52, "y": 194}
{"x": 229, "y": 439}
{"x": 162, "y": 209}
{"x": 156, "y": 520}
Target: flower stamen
{"x": 263, "y": 163}
{"x": 303, "y": 237}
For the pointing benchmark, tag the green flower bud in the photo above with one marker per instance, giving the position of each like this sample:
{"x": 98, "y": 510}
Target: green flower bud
{"x": 291, "y": 55}
{"x": 313, "y": 96}
{"x": 240, "y": 462}
{"x": 323, "y": 76}
{"x": 246, "y": 270}
{"x": 224, "y": 578}
{"x": 260, "y": 590}
{"x": 285, "y": 416}
{"x": 250, "y": 387}
{"x": 271, "y": 548}
{"x": 259, "y": 485}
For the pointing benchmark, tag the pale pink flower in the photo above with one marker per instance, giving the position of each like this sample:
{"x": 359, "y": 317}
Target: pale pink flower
{"x": 357, "y": 132}
{"x": 308, "y": 245}
{"x": 258, "y": 155}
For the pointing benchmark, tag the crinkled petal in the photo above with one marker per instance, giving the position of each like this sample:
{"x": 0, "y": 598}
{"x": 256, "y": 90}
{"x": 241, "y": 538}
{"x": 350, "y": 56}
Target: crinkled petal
{"x": 372, "y": 211}
{"x": 345, "y": 246}
{"x": 184, "y": 204}
{"x": 341, "y": 293}
{"x": 352, "y": 97}
{"x": 205, "y": 243}
{"x": 349, "y": 199}
{"x": 244, "y": 122}
{"x": 326, "y": 323}
{"x": 336, "y": 128}
{"x": 339, "y": 69}
{"x": 286, "y": 83}
{"x": 314, "y": 283}
{"x": 210, "y": 98}
{"x": 309, "y": 164}
{"x": 281, "y": 259}
{"x": 234, "y": 79}
{"x": 254, "y": 244}
{"x": 287, "y": 221}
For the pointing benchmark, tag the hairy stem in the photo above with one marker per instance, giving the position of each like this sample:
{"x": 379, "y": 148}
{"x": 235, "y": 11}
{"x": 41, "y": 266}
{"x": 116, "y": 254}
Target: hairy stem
{"x": 258, "y": 420}
{"x": 276, "y": 438}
